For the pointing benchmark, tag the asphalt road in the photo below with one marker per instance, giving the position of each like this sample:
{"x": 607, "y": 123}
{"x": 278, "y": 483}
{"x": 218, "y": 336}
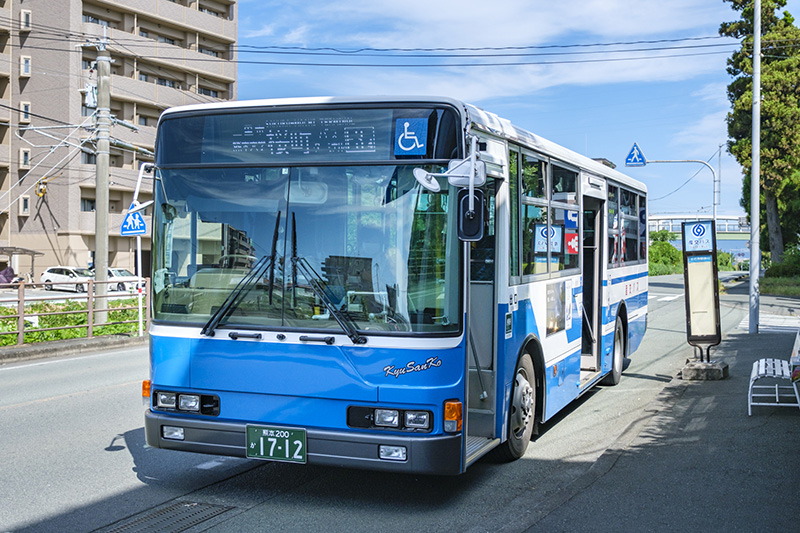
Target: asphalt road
{"x": 73, "y": 454}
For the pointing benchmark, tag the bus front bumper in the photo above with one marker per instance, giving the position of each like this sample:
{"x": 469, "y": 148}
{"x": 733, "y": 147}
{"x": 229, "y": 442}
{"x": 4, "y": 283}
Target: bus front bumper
{"x": 439, "y": 455}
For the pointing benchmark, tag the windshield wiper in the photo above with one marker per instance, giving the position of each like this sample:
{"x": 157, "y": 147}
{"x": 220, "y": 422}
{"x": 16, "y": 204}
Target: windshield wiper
{"x": 237, "y": 294}
{"x": 321, "y": 290}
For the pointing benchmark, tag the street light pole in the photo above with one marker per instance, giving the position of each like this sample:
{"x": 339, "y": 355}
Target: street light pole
{"x": 755, "y": 175}
{"x": 713, "y": 176}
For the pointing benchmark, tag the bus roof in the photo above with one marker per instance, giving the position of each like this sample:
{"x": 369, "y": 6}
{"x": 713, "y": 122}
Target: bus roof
{"x": 481, "y": 119}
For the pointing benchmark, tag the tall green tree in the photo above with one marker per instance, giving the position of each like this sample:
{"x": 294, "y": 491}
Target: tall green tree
{"x": 780, "y": 117}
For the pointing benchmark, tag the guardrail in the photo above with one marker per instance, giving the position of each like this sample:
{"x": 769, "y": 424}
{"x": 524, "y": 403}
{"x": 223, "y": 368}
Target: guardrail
{"x": 31, "y": 317}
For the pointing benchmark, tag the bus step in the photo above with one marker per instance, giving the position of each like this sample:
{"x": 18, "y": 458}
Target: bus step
{"x": 477, "y": 447}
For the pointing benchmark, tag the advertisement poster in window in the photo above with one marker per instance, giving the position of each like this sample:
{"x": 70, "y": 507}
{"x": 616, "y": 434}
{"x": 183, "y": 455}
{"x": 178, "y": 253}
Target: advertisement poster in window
{"x": 556, "y": 312}
{"x": 540, "y": 238}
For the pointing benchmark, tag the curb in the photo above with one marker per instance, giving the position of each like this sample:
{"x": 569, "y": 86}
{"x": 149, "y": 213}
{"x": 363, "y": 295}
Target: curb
{"x": 43, "y": 350}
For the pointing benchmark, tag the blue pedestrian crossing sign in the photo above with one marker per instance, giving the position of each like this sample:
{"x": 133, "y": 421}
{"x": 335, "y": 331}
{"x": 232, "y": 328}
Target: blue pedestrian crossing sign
{"x": 635, "y": 157}
{"x": 133, "y": 225}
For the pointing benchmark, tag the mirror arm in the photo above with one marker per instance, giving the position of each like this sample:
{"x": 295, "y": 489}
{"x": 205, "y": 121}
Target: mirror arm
{"x": 473, "y": 158}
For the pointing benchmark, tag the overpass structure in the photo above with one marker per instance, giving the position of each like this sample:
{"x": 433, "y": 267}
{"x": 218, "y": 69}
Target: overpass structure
{"x": 733, "y": 232}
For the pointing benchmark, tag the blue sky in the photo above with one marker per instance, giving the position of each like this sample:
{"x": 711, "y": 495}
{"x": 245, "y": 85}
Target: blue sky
{"x": 672, "y": 107}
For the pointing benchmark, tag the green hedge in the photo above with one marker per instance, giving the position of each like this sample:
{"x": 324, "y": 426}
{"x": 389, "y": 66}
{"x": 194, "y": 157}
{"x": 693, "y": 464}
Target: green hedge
{"x": 79, "y": 318}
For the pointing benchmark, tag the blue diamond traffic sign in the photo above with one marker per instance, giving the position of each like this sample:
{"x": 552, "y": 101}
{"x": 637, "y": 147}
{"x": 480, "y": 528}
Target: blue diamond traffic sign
{"x": 635, "y": 157}
{"x": 133, "y": 224}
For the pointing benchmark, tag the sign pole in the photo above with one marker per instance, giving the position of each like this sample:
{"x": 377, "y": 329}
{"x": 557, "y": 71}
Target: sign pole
{"x": 134, "y": 225}
{"x": 140, "y": 283}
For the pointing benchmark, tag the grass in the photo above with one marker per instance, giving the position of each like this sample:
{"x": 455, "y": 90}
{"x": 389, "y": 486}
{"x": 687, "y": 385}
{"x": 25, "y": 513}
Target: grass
{"x": 781, "y": 286}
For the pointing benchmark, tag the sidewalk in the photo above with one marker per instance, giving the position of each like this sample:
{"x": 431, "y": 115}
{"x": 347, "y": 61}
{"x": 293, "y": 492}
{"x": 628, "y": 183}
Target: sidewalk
{"x": 41, "y": 350}
{"x": 699, "y": 463}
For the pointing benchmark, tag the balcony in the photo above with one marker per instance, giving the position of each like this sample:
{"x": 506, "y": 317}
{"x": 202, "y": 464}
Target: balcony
{"x": 167, "y": 55}
{"x": 5, "y": 111}
{"x": 5, "y": 62}
{"x": 178, "y": 15}
{"x": 5, "y": 18}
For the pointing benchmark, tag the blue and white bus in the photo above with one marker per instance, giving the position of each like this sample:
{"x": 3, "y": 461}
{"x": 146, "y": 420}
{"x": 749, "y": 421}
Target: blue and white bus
{"x": 399, "y": 284}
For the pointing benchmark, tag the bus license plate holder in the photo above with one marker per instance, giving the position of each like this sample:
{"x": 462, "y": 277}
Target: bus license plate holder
{"x": 273, "y": 443}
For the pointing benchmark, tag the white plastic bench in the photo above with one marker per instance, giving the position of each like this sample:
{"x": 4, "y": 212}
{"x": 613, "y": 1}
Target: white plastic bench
{"x": 783, "y": 391}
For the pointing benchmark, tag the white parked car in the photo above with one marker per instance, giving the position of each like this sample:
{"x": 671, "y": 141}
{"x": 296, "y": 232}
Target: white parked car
{"x": 66, "y": 277}
{"x": 122, "y": 279}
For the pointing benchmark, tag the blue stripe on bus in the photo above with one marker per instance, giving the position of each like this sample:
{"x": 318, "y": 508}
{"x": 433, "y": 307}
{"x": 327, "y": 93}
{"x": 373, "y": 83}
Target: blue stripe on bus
{"x": 623, "y": 279}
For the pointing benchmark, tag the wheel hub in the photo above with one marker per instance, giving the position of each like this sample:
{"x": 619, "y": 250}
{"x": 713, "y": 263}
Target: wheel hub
{"x": 522, "y": 404}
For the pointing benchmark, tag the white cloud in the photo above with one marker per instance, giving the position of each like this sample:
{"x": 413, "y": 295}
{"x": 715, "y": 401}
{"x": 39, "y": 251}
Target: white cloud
{"x": 454, "y": 23}
{"x": 264, "y": 31}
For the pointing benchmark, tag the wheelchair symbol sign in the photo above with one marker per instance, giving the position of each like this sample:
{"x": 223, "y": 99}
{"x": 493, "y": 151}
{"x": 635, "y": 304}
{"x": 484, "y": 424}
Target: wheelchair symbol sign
{"x": 410, "y": 135}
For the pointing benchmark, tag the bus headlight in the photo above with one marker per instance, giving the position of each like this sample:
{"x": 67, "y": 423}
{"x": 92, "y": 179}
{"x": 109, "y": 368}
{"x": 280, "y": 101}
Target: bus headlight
{"x": 188, "y": 402}
{"x": 166, "y": 400}
{"x": 417, "y": 419}
{"x": 387, "y": 417}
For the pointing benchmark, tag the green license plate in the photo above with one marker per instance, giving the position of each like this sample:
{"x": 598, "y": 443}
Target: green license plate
{"x": 276, "y": 443}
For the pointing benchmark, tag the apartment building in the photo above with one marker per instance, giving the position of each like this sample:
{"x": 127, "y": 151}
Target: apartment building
{"x": 164, "y": 53}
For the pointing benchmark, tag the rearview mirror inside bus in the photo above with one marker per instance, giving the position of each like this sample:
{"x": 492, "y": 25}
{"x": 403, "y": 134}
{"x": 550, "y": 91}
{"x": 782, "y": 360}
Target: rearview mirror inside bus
{"x": 470, "y": 221}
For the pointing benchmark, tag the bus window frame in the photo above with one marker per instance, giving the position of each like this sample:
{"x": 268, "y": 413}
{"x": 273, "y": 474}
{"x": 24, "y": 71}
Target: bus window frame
{"x": 639, "y": 196}
{"x": 520, "y": 200}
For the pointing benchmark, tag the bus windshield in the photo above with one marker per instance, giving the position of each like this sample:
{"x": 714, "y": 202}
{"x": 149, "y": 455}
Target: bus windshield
{"x": 363, "y": 241}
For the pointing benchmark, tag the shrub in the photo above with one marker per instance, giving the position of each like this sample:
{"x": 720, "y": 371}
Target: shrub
{"x": 665, "y": 253}
{"x": 789, "y": 267}
{"x": 724, "y": 261}
{"x": 660, "y": 269}
{"x": 77, "y": 318}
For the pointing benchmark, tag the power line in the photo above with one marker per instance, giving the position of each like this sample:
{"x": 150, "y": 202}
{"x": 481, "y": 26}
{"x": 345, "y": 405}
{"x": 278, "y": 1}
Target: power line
{"x": 36, "y": 115}
{"x": 478, "y": 49}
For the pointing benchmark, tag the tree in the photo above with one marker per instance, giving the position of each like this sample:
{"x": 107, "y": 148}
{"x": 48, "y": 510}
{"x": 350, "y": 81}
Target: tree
{"x": 780, "y": 117}
{"x": 662, "y": 235}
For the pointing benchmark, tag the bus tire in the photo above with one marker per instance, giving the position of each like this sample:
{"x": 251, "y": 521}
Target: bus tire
{"x": 521, "y": 412}
{"x": 618, "y": 357}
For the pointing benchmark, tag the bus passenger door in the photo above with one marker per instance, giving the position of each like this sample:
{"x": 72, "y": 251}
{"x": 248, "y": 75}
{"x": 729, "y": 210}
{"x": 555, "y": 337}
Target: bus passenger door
{"x": 593, "y": 210}
{"x": 482, "y": 324}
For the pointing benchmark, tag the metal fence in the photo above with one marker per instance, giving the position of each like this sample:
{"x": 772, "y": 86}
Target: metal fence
{"x": 24, "y": 308}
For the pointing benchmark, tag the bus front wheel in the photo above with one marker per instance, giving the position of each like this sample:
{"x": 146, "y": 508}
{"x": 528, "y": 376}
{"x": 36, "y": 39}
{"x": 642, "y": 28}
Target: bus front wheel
{"x": 521, "y": 412}
{"x": 617, "y": 358}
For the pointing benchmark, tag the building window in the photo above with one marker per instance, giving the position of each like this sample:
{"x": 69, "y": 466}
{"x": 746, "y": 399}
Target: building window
{"x": 208, "y": 11}
{"x": 91, "y": 19}
{"x": 24, "y": 158}
{"x": 88, "y": 158}
{"x": 87, "y": 204}
{"x": 25, "y": 66}
{"x": 144, "y": 77}
{"x": 25, "y": 20}
{"x": 166, "y": 40}
{"x": 208, "y": 92}
{"x": 209, "y": 52}
{"x": 144, "y": 33}
{"x": 24, "y": 205}
{"x": 24, "y": 112}
{"x": 142, "y": 120}
{"x": 166, "y": 83}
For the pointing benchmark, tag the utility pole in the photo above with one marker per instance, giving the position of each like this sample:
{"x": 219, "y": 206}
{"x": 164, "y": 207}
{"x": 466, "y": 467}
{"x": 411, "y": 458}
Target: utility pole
{"x": 755, "y": 175}
{"x": 101, "y": 181}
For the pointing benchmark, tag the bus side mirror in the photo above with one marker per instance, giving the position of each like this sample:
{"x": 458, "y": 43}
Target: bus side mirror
{"x": 470, "y": 222}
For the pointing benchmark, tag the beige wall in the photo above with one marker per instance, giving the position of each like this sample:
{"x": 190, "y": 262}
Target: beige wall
{"x": 56, "y": 224}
